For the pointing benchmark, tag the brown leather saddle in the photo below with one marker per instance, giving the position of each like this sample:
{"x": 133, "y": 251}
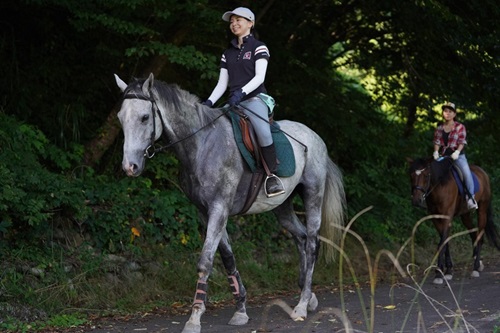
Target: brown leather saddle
{"x": 251, "y": 144}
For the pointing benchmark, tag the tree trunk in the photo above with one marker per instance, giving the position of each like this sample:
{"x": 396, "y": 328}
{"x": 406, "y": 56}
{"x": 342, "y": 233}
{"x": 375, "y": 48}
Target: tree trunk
{"x": 412, "y": 115}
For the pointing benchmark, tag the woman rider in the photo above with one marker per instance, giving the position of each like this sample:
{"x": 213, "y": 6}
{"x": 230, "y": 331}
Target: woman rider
{"x": 243, "y": 69}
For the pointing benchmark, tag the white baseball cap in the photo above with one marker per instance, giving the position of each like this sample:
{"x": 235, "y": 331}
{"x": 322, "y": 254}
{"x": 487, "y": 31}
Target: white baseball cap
{"x": 449, "y": 105}
{"x": 240, "y": 11}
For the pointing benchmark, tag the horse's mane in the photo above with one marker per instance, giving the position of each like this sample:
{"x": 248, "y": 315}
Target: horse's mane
{"x": 418, "y": 164}
{"x": 178, "y": 97}
{"x": 441, "y": 171}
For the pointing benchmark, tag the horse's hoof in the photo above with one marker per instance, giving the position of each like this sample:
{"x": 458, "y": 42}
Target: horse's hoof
{"x": 448, "y": 277}
{"x": 438, "y": 281}
{"x": 481, "y": 266}
{"x": 239, "y": 319}
{"x": 474, "y": 274}
{"x": 299, "y": 313}
{"x": 313, "y": 303}
{"x": 191, "y": 328}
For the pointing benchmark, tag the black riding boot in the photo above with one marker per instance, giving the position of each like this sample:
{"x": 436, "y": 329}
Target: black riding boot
{"x": 273, "y": 184}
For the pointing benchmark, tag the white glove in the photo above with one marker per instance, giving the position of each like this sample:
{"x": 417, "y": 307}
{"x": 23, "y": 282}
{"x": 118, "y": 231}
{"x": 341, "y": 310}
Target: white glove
{"x": 455, "y": 154}
{"x": 435, "y": 154}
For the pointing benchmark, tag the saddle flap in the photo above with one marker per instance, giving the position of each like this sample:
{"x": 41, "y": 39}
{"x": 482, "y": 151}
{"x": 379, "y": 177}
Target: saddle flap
{"x": 246, "y": 133}
{"x": 284, "y": 150}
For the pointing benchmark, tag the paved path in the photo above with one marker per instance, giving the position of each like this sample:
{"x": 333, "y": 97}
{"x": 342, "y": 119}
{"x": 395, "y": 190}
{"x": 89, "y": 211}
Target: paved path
{"x": 399, "y": 308}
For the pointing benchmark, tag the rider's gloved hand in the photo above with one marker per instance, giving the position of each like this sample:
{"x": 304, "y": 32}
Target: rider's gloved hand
{"x": 207, "y": 103}
{"x": 435, "y": 155}
{"x": 236, "y": 97}
{"x": 455, "y": 154}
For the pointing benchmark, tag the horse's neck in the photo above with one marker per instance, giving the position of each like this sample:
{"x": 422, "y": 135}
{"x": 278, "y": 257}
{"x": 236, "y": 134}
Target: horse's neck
{"x": 191, "y": 133}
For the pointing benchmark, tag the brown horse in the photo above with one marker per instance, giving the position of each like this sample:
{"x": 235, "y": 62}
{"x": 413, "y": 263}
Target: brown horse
{"x": 433, "y": 186}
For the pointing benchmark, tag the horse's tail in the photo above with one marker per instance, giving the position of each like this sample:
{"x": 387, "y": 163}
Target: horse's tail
{"x": 490, "y": 229}
{"x": 333, "y": 211}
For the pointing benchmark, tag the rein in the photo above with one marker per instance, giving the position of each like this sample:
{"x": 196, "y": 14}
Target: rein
{"x": 153, "y": 148}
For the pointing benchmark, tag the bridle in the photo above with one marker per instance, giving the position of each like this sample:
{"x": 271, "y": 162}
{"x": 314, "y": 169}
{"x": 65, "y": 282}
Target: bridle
{"x": 427, "y": 190}
{"x": 153, "y": 148}
{"x": 150, "y": 150}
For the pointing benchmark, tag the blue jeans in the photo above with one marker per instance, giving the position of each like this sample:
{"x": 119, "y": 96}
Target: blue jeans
{"x": 464, "y": 167}
{"x": 259, "y": 119}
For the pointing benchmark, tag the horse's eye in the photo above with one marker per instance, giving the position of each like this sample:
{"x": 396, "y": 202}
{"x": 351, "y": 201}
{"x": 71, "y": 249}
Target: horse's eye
{"x": 144, "y": 118}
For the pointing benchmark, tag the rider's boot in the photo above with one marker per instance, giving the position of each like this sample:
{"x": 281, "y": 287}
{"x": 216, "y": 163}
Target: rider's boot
{"x": 273, "y": 185}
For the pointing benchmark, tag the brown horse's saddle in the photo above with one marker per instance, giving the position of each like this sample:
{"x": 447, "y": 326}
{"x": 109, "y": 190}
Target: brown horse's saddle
{"x": 459, "y": 179}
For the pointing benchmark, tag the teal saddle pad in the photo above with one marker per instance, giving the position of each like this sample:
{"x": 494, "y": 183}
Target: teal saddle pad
{"x": 284, "y": 150}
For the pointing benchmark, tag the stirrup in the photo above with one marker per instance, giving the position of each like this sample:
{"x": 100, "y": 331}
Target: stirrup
{"x": 271, "y": 195}
{"x": 472, "y": 204}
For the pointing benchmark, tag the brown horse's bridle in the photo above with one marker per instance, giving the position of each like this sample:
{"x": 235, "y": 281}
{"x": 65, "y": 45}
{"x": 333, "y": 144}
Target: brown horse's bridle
{"x": 425, "y": 191}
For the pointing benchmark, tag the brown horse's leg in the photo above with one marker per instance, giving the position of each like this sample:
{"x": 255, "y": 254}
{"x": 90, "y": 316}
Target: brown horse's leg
{"x": 448, "y": 273}
{"x": 443, "y": 227}
{"x": 476, "y": 239}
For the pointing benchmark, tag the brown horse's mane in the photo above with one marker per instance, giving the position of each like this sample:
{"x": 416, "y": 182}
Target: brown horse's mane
{"x": 441, "y": 171}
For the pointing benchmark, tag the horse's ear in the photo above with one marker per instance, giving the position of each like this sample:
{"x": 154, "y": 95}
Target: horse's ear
{"x": 148, "y": 84}
{"x": 409, "y": 160}
{"x": 119, "y": 82}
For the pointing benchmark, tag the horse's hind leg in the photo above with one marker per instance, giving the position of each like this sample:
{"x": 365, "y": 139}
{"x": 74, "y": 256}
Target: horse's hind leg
{"x": 307, "y": 243}
{"x": 240, "y": 317}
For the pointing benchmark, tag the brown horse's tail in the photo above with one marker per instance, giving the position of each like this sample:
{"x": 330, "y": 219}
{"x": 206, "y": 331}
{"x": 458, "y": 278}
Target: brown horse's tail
{"x": 491, "y": 230}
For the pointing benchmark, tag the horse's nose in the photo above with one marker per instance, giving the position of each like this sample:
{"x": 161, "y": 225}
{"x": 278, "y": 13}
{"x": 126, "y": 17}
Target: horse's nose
{"x": 418, "y": 202}
{"x": 131, "y": 169}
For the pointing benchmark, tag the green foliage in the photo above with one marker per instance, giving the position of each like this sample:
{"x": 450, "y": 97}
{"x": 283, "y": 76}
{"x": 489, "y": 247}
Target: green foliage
{"x": 159, "y": 216}
{"x": 188, "y": 56}
{"x": 34, "y": 197}
{"x": 30, "y": 193}
{"x": 12, "y": 324}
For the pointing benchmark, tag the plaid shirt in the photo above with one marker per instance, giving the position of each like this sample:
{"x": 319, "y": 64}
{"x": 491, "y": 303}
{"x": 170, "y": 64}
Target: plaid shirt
{"x": 456, "y": 137}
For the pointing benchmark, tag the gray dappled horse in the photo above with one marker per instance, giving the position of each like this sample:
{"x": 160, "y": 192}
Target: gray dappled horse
{"x": 215, "y": 178}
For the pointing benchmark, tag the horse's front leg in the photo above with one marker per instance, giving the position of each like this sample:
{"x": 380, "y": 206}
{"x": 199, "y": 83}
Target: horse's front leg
{"x": 442, "y": 249}
{"x": 448, "y": 272}
{"x": 215, "y": 230}
{"x": 240, "y": 317}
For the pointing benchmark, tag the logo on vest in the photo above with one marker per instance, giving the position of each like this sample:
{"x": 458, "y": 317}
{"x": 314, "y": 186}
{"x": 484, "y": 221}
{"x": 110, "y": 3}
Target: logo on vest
{"x": 247, "y": 55}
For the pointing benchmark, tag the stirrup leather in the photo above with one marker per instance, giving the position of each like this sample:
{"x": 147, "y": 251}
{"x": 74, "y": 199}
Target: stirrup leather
{"x": 270, "y": 195}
